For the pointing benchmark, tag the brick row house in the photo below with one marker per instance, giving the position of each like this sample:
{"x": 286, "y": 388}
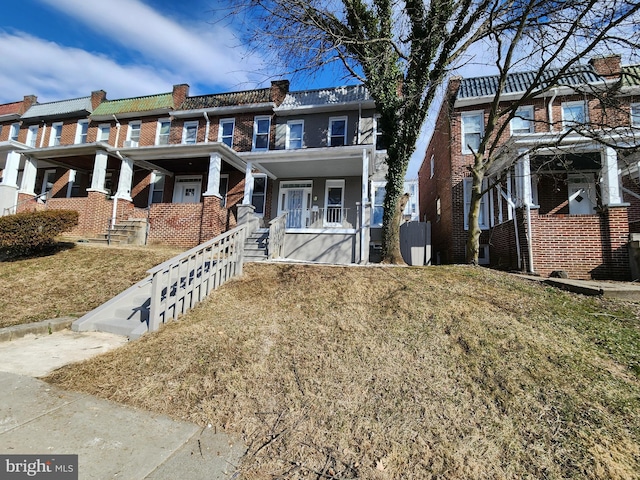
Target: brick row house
{"x": 564, "y": 195}
{"x": 185, "y": 164}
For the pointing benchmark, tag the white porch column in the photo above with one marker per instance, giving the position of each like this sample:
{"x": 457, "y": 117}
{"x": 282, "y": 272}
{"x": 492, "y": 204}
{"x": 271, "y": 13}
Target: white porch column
{"x": 213, "y": 180}
{"x": 72, "y": 179}
{"x": 523, "y": 181}
{"x": 29, "y": 176}
{"x": 125, "y": 179}
{"x": 610, "y": 181}
{"x": 99, "y": 172}
{"x": 10, "y": 172}
{"x": 248, "y": 184}
{"x": 364, "y": 205}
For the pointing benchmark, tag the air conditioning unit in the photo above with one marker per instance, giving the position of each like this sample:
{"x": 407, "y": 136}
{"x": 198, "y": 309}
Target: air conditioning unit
{"x": 130, "y": 143}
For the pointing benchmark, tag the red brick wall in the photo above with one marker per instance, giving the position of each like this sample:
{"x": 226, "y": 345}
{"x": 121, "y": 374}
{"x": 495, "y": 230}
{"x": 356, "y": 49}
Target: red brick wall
{"x": 175, "y": 224}
{"x": 503, "y": 253}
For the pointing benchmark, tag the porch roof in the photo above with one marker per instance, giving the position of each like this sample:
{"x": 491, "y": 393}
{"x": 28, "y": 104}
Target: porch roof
{"x": 312, "y": 162}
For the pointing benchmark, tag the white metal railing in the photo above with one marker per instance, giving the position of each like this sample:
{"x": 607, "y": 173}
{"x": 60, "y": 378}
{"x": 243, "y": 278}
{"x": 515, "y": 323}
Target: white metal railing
{"x": 182, "y": 282}
{"x": 330, "y": 217}
{"x": 276, "y": 236}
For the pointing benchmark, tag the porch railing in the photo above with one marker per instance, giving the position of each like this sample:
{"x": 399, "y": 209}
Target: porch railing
{"x": 14, "y": 209}
{"x": 330, "y": 217}
{"x": 276, "y": 236}
{"x": 180, "y": 283}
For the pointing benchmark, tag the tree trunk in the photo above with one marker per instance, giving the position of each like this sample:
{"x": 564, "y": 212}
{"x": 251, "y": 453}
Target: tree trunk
{"x": 473, "y": 238}
{"x": 393, "y": 254}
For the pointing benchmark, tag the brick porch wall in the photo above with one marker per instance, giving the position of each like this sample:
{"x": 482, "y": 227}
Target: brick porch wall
{"x": 176, "y": 224}
{"x": 503, "y": 253}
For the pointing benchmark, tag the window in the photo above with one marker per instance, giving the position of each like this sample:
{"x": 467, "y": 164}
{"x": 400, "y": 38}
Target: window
{"x": 81, "y": 131}
{"x": 133, "y": 135}
{"x": 483, "y": 218}
{"x": 14, "y": 132}
{"x": 438, "y": 209}
{"x": 635, "y": 115}
{"x": 157, "y": 188}
{"x": 472, "y": 130}
{"x": 224, "y": 188}
{"x": 48, "y": 181}
{"x": 261, "y": 127}
{"x": 378, "y": 190}
{"x": 258, "y": 195}
{"x": 337, "y": 132}
{"x": 56, "y": 134}
{"x": 225, "y": 131}
{"x": 432, "y": 166}
{"x": 32, "y": 135}
{"x": 379, "y": 141}
{"x": 295, "y": 132}
{"x": 190, "y": 132}
{"x": 522, "y": 123}
{"x": 334, "y": 201}
{"x": 411, "y": 209}
{"x": 573, "y": 115}
{"x": 163, "y": 131}
{"x": 103, "y": 132}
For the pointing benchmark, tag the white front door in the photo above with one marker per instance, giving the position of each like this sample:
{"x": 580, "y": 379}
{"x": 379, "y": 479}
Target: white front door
{"x": 294, "y": 199}
{"x": 582, "y": 196}
{"x": 187, "y": 190}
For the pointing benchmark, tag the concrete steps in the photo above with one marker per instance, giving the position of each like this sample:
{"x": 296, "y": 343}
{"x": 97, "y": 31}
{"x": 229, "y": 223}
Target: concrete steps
{"x": 256, "y": 246}
{"x": 125, "y": 232}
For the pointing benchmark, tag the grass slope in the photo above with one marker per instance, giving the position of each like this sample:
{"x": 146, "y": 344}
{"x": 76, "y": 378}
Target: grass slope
{"x": 381, "y": 373}
{"x": 71, "y": 281}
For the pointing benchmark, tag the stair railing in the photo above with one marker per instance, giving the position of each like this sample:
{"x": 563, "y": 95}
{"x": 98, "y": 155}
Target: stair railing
{"x": 277, "y": 234}
{"x": 180, "y": 283}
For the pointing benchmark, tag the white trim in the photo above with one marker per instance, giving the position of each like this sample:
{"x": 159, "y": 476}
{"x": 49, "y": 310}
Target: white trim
{"x": 519, "y": 115}
{"x": 43, "y": 189}
{"x": 465, "y": 150}
{"x": 634, "y": 111}
{"x": 288, "y": 134}
{"x": 159, "y": 130}
{"x": 130, "y": 128}
{"x": 331, "y": 183}
{"x": 53, "y": 134}
{"x": 223, "y": 196}
{"x": 254, "y": 176}
{"x": 185, "y": 128}
{"x": 79, "y": 134}
{"x": 222, "y": 122}
{"x": 32, "y": 136}
{"x": 256, "y": 119}
{"x": 375, "y": 186}
{"x": 102, "y": 128}
{"x": 576, "y": 103}
{"x": 181, "y": 181}
{"x": 330, "y": 130}
{"x": 14, "y": 131}
{"x": 375, "y": 132}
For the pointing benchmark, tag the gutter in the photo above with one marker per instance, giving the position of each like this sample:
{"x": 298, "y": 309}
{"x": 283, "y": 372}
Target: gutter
{"x": 117, "y": 132}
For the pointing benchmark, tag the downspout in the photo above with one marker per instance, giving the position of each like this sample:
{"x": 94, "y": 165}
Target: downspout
{"x": 359, "y": 122}
{"x": 117, "y": 132}
{"x": 550, "y": 108}
{"x": 512, "y": 208}
{"x": 206, "y": 130}
{"x": 530, "y": 238}
{"x": 114, "y": 211}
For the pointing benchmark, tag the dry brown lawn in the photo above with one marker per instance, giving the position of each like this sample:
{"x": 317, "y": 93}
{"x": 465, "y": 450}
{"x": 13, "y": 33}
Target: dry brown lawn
{"x": 390, "y": 373}
{"x": 72, "y": 281}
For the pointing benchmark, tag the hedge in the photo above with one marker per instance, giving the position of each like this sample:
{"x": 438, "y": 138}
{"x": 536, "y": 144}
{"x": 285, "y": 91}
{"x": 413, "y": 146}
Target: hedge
{"x": 25, "y": 233}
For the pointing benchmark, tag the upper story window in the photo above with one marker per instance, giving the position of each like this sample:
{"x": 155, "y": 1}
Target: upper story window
{"x": 377, "y": 134}
{"x": 190, "y": 132}
{"x": 432, "y": 166}
{"x": 378, "y": 190}
{"x": 574, "y": 114}
{"x": 133, "y": 134}
{"x": 522, "y": 122}
{"x": 261, "y": 128}
{"x": 295, "y": 132}
{"x": 163, "y": 130}
{"x": 32, "y": 135}
{"x": 81, "y": 131}
{"x": 14, "y": 132}
{"x": 56, "y": 134}
{"x": 472, "y": 131}
{"x": 225, "y": 131}
{"x": 337, "y": 131}
{"x": 635, "y": 115}
{"x": 103, "y": 132}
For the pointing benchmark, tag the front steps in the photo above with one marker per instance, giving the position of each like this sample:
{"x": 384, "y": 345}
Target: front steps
{"x": 125, "y": 232}
{"x": 256, "y": 246}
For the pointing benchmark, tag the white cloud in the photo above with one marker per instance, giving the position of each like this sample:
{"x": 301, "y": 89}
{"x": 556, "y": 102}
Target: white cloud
{"x": 55, "y": 72}
{"x": 202, "y": 52}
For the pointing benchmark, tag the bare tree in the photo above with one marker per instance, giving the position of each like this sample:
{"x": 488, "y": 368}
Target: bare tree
{"x": 400, "y": 50}
{"x": 552, "y": 41}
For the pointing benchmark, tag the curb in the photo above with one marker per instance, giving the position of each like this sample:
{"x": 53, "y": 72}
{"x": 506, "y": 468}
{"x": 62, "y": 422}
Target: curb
{"x": 37, "y": 328}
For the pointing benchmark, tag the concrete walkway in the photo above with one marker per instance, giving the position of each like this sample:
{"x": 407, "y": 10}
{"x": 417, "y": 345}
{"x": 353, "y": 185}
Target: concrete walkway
{"x": 629, "y": 291}
{"x": 112, "y": 441}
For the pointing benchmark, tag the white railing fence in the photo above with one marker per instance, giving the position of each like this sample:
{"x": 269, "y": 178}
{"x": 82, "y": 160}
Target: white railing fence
{"x": 277, "y": 236}
{"x": 330, "y": 217}
{"x": 180, "y": 283}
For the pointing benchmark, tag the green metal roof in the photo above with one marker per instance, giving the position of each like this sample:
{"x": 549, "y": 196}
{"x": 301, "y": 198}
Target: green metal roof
{"x": 133, "y": 105}
{"x": 631, "y": 76}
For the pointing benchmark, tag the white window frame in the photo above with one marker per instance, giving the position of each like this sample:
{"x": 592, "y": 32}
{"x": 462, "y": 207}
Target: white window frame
{"x": 14, "y": 131}
{"x": 55, "y": 136}
{"x": 257, "y": 119}
{"x": 634, "y": 113}
{"x": 81, "y": 137}
{"x": 185, "y": 129}
{"x": 159, "y": 134}
{"x": 130, "y": 129}
{"x": 45, "y": 181}
{"x": 156, "y": 180}
{"x": 102, "y": 128}
{"x": 484, "y": 205}
{"x": 288, "y": 134}
{"x": 330, "y": 134}
{"x": 221, "y": 136}
{"x": 264, "y": 195}
{"x": 32, "y": 135}
{"x": 377, "y": 132}
{"x": 463, "y": 134}
{"x": 375, "y": 186}
{"x": 566, "y": 123}
{"x": 524, "y": 113}
{"x": 181, "y": 180}
{"x": 224, "y": 189}
{"x": 337, "y": 183}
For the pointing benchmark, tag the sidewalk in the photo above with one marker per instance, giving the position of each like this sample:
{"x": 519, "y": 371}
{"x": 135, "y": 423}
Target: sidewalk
{"x": 111, "y": 440}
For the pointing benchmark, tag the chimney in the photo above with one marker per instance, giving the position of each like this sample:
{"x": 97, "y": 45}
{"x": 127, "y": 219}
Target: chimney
{"x": 279, "y": 90}
{"x": 97, "y": 97}
{"x": 27, "y": 102}
{"x": 607, "y": 67}
{"x": 180, "y": 94}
